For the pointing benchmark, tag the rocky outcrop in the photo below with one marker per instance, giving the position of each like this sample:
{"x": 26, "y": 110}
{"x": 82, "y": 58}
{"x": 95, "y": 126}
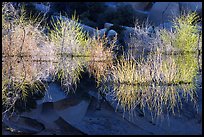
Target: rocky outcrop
{"x": 163, "y": 12}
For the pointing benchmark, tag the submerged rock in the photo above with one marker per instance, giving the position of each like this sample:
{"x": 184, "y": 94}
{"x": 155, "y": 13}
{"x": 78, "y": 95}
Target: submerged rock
{"x": 23, "y": 125}
{"x": 54, "y": 93}
{"x": 66, "y": 128}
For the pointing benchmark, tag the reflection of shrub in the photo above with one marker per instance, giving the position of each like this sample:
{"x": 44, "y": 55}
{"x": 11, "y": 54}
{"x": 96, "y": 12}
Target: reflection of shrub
{"x": 21, "y": 81}
{"x": 68, "y": 72}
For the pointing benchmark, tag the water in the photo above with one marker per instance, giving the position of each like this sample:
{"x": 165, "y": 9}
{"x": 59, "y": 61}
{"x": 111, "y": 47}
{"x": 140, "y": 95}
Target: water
{"x": 150, "y": 98}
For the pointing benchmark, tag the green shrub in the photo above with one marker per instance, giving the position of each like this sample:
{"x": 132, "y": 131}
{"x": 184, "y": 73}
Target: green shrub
{"x": 186, "y": 34}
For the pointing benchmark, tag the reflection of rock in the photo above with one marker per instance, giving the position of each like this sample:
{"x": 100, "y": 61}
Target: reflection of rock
{"x": 163, "y": 12}
{"x": 24, "y": 125}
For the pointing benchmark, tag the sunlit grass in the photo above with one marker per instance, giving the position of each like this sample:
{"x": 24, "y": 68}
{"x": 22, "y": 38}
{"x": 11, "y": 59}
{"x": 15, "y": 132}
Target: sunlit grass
{"x": 185, "y": 36}
{"x": 68, "y": 37}
{"x": 22, "y": 42}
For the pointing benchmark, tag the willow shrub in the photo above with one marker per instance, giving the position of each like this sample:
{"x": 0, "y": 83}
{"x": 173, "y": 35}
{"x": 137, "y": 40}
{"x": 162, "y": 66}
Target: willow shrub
{"x": 185, "y": 37}
{"x": 22, "y": 41}
{"x": 68, "y": 37}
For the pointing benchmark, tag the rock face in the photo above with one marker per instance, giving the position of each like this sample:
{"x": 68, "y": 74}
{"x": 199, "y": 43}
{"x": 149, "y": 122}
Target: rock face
{"x": 163, "y": 12}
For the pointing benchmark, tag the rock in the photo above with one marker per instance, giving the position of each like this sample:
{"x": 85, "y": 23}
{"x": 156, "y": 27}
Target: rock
{"x": 128, "y": 31}
{"x": 163, "y": 12}
{"x": 102, "y": 32}
{"x": 106, "y": 122}
{"x": 139, "y": 5}
{"x": 69, "y": 114}
{"x": 66, "y": 103}
{"x": 191, "y": 6}
{"x": 23, "y": 125}
{"x": 54, "y": 93}
{"x": 41, "y": 7}
{"x": 66, "y": 128}
{"x": 47, "y": 107}
{"x": 111, "y": 34}
{"x": 108, "y": 25}
{"x": 166, "y": 25}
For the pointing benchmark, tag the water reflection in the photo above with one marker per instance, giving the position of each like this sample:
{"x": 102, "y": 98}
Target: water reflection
{"x": 68, "y": 71}
{"x": 160, "y": 84}
{"x": 22, "y": 81}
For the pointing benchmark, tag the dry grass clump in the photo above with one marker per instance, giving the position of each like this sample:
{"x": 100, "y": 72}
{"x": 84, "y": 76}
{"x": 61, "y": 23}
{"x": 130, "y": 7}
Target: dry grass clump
{"x": 185, "y": 36}
{"x": 21, "y": 36}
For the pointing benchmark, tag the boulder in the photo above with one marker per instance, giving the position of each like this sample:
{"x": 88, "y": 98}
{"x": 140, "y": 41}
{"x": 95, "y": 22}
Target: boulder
{"x": 139, "y": 5}
{"x": 166, "y": 25}
{"x": 102, "y": 32}
{"x": 108, "y": 25}
{"x": 128, "y": 31}
{"x": 191, "y": 6}
{"x": 53, "y": 94}
{"x": 163, "y": 12}
{"x": 66, "y": 128}
{"x": 111, "y": 34}
{"x": 41, "y": 7}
